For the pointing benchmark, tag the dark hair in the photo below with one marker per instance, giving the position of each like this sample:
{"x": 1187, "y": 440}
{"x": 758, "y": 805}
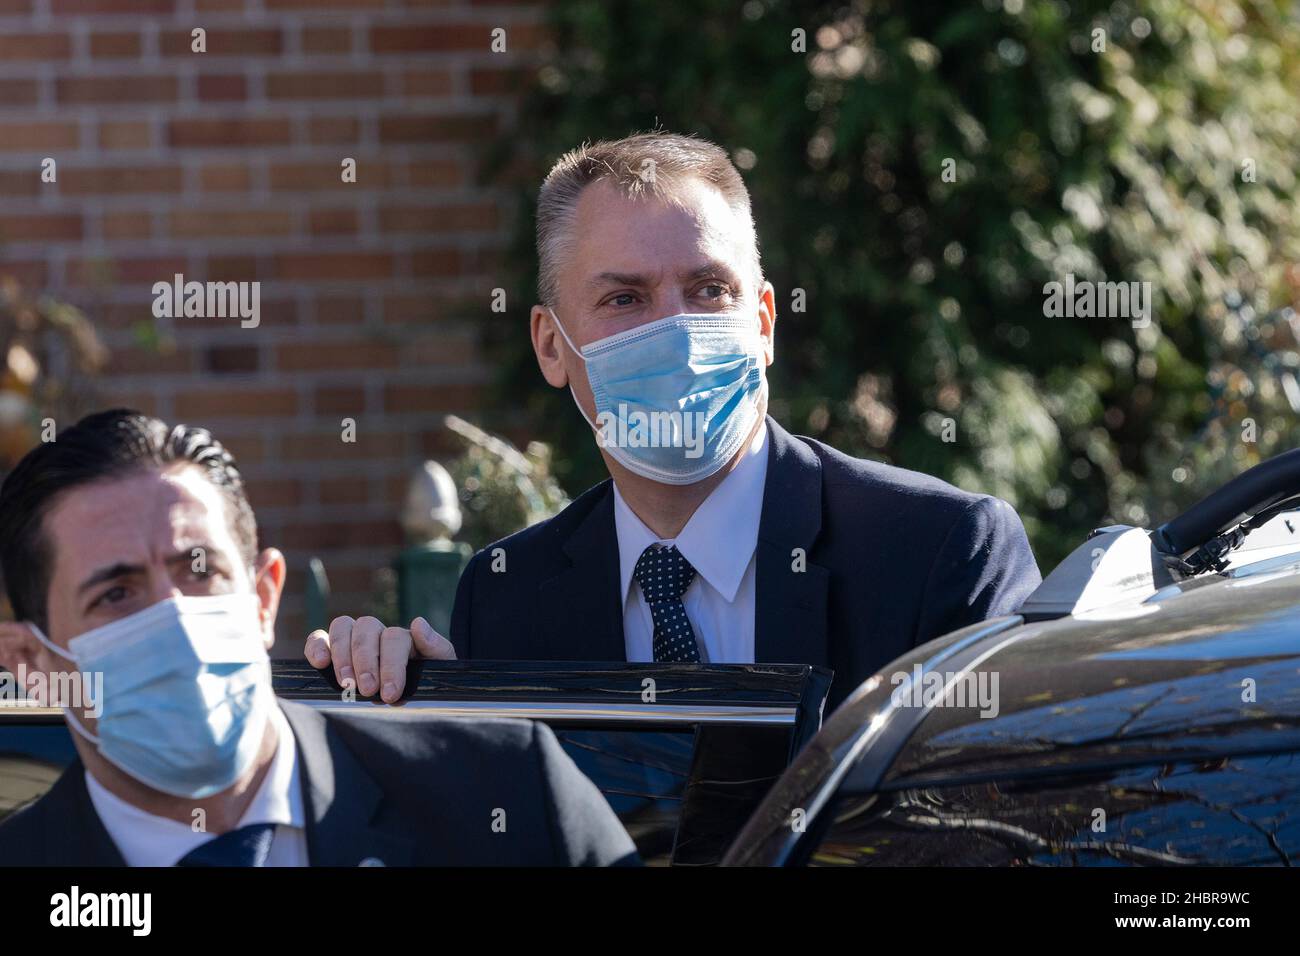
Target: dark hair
{"x": 100, "y": 446}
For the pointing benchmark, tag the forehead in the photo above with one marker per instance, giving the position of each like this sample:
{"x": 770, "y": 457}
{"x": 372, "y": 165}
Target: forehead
{"x": 619, "y": 233}
{"x": 143, "y": 514}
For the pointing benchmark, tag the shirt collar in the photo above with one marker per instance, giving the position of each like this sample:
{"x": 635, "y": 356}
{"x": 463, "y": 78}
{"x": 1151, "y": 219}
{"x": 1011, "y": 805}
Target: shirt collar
{"x": 719, "y": 539}
{"x": 146, "y": 839}
{"x": 279, "y": 798}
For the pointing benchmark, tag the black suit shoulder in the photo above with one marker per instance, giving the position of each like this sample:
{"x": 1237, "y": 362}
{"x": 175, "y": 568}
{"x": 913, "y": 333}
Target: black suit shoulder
{"x": 60, "y": 828}
{"x": 23, "y": 832}
{"x": 899, "y": 486}
{"x": 954, "y": 557}
{"x": 871, "y": 509}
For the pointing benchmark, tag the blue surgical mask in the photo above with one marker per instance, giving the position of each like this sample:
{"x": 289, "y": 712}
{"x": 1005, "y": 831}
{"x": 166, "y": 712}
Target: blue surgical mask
{"x": 677, "y": 398}
{"x": 187, "y": 691}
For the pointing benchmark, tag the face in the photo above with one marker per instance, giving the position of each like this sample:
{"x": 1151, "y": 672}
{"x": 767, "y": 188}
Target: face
{"x": 121, "y": 545}
{"x": 635, "y": 261}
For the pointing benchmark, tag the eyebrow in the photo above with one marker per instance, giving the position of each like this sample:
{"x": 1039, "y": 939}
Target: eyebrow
{"x": 718, "y": 269}
{"x": 641, "y": 280}
{"x": 122, "y": 568}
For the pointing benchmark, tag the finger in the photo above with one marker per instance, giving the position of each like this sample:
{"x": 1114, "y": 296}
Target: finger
{"x": 429, "y": 643}
{"x": 365, "y": 654}
{"x": 394, "y": 652}
{"x": 341, "y": 650}
{"x": 317, "y": 649}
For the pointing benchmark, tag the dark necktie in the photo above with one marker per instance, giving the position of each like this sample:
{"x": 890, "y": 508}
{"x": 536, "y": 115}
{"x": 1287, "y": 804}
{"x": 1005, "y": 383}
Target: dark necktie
{"x": 247, "y": 846}
{"x": 664, "y": 576}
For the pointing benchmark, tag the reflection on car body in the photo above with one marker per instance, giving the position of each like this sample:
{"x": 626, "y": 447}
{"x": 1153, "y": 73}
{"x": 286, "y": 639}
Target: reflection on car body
{"x": 1149, "y": 714}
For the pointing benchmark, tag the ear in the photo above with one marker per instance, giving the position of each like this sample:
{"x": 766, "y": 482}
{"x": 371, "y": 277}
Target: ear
{"x": 549, "y": 346}
{"x": 767, "y": 320}
{"x": 20, "y": 652}
{"x": 269, "y": 574}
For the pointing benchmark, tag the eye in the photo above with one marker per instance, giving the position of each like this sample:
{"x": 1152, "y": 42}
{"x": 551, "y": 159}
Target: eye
{"x": 113, "y": 595}
{"x": 628, "y": 296}
{"x": 206, "y": 578}
{"x": 721, "y": 288}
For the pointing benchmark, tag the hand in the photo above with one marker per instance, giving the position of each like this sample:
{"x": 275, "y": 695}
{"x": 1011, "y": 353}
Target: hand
{"x": 374, "y": 657}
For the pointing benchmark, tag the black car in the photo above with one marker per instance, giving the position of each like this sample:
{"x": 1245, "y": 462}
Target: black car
{"x": 1143, "y": 707}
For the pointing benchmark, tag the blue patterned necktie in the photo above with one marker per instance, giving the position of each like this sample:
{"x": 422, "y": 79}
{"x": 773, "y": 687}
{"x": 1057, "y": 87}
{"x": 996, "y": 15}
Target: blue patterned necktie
{"x": 247, "y": 846}
{"x": 664, "y": 576}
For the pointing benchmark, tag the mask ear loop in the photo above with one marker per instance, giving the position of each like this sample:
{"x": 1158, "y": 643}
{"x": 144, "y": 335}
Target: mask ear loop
{"x": 574, "y": 349}
{"x": 567, "y": 341}
{"x": 68, "y": 714}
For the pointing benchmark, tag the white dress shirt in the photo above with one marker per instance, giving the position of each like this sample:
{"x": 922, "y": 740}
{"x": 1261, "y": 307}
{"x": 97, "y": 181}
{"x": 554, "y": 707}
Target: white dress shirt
{"x": 719, "y": 541}
{"x": 144, "y": 839}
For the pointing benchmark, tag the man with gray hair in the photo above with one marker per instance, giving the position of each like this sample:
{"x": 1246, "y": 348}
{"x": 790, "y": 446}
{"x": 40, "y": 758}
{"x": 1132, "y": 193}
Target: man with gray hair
{"x": 719, "y": 537}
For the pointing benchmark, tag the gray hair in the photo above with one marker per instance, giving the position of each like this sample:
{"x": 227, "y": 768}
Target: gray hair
{"x": 646, "y": 164}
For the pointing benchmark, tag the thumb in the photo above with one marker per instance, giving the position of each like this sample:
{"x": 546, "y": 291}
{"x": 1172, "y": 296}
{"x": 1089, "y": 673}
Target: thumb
{"x": 428, "y": 643}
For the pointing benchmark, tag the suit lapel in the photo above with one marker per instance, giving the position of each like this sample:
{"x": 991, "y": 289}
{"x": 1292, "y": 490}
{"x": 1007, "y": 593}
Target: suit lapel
{"x": 341, "y": 798}
{"x": 790, "y": 625}
{"x": 582, "y": 606}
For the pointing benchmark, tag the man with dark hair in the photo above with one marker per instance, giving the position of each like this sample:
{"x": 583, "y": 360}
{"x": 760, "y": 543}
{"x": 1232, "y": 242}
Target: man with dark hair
{"x": 145, "y": 610}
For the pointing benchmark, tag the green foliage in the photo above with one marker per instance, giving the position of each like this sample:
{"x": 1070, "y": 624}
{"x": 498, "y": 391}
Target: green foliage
{"x": 501, "y": 489}
{"x": 924, "y": 297}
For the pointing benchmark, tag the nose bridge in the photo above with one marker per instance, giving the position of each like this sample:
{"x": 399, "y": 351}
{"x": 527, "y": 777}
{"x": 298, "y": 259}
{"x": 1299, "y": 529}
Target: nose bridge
{"x": 671, "y": 301}
{"x": 164, "y": 580}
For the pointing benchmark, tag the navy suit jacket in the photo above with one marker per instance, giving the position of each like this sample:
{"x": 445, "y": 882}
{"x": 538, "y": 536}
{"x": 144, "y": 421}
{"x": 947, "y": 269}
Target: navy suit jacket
{"x": 890, "y": 559}
{"x": 391, "y": 786}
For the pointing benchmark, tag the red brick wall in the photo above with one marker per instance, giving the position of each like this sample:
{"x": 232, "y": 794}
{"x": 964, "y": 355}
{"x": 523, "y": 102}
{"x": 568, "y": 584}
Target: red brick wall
{"x": 225, "y": 165}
